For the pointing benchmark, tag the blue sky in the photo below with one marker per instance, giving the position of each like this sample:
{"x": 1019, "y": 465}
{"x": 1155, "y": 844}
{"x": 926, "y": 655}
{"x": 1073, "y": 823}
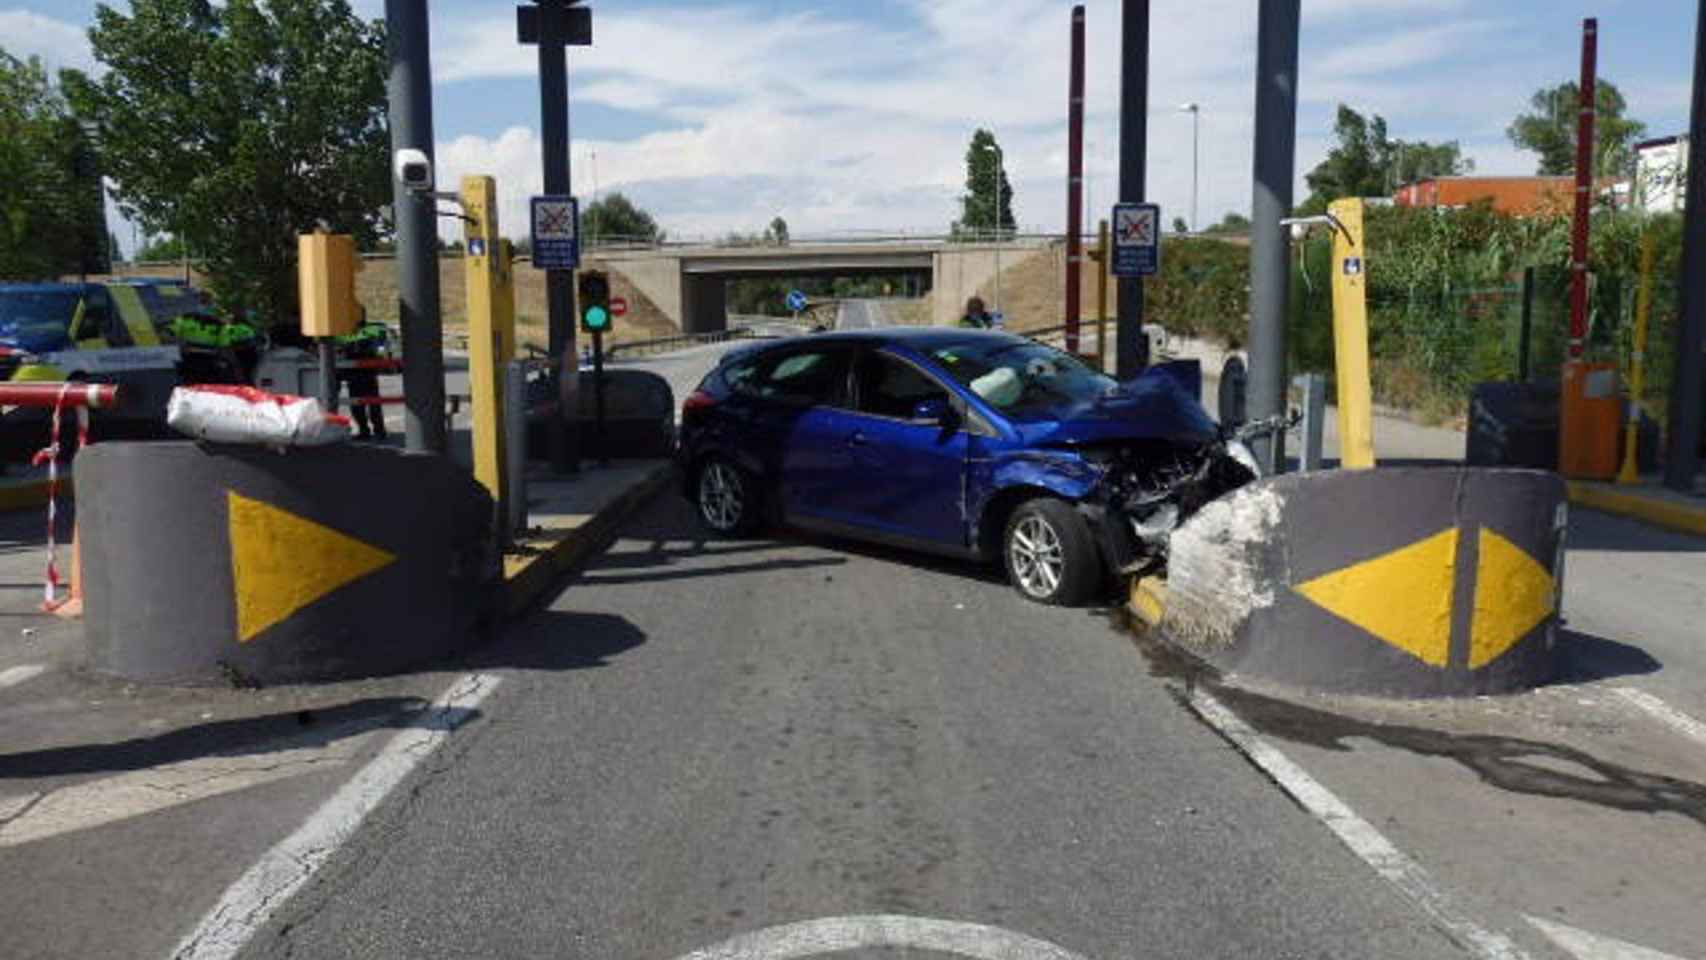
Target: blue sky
{"x": 846, "y": 115}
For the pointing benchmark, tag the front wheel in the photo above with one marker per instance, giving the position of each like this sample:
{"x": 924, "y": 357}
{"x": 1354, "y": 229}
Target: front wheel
{"x": 726, "y": 498}
{"x": 1050, "y": 555}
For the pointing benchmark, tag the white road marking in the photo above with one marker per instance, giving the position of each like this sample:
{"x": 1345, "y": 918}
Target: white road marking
{"x": 1368, "y": 843}
{"x": 1590, "y": 946}
{"x": 12, "y": 676}
{"x": 817, "y": 938}
{"x": 1664, "y": 713}
{"x": 107, "y": 800}
{"x": 247, "y": 904}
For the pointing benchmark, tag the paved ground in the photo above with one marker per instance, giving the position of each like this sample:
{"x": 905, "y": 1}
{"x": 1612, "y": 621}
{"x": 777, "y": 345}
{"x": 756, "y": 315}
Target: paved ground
{"x": 693, "y": 760}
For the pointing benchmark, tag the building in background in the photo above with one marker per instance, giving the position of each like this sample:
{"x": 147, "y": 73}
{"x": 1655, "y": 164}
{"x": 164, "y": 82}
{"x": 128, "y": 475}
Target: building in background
{"x": 1521, "y": 196}
{"x": 1661, "y": 173}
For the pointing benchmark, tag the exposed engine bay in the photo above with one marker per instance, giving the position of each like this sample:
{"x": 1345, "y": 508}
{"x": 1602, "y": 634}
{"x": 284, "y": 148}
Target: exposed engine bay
{"x": 1153, "y": 486}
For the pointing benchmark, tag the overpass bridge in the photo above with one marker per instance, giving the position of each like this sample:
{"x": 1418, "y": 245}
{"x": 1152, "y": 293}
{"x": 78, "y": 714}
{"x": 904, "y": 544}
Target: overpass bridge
{"x": 688, "y": 284}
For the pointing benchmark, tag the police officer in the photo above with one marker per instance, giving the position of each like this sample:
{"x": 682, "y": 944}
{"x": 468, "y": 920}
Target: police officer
{"x": 370, "y": 341}
{"x": 976, "y": 316}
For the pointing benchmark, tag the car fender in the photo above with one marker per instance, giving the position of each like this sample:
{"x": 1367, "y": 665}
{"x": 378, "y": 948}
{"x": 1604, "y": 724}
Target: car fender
{"x": 999, "y": 479}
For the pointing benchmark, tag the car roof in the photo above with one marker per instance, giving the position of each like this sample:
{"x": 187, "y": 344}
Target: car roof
{"x": 923, "y": 339}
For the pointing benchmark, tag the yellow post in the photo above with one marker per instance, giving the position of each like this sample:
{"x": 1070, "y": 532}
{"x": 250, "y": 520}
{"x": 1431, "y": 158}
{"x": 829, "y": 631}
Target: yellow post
{"x": 1103, "y": 249}
{"x": 1350, "y": 338}
{"x": 1630, "y": 472}
{"x": 491, "y": 327}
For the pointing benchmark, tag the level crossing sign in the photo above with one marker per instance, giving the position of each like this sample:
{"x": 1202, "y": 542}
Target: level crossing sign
{"x": 1137, "y": 239}
{"x": 556, "y": 233}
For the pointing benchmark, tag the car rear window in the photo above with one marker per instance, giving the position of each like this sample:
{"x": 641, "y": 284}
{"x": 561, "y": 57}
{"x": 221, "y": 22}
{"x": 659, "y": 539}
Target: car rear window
{"x": 803, "y": 378}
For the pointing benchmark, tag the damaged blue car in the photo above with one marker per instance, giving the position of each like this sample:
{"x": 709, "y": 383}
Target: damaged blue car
{"x": 969, "y": 443}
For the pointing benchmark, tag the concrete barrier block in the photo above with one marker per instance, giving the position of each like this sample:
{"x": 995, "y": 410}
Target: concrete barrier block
{"x": 1400, "y": 582}
{"x": 210, "y": 563}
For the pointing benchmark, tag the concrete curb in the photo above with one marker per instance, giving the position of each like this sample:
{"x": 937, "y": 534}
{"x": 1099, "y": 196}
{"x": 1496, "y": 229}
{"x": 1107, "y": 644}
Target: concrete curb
{"x": 1672, "y": 516}
{"x": 535, "y": 564}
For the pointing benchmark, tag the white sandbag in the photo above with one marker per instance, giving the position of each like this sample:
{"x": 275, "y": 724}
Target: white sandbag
{"x": 232, "y": 414}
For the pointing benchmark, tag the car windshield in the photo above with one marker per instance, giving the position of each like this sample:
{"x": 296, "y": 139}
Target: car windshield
{"x": 1023, "y": 379}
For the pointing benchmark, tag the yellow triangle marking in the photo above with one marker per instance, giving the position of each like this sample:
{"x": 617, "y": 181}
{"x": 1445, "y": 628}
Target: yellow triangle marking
{"x": 1513, "y": 595}
{"x": 281, "y": 562}
{"x": 1402, "y": 597}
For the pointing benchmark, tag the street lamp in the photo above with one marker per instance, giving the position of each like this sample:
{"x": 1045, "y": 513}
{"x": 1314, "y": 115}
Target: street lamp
{"x": 1000, "y": 161}
{"x": 1196, "y": 113}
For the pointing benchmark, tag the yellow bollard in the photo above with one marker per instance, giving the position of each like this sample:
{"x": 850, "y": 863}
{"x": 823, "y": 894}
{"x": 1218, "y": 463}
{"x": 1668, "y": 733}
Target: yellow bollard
{"x": 1630, "y": 472}
{"x": 1350, "y": 337}
{"x": 491, "y": 328}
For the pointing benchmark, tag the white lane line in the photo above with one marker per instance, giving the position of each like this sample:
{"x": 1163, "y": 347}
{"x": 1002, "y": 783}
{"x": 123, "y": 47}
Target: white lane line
{"x": 1368, "y": 843}
{"x": 1664, "y": 713}
{"x": 1591, "y": 946}
{"x": 831, "y": 935}
{"x": 247, "y": 904}
{"x": 96, "y": 803}
{"x": 12, "y": 676}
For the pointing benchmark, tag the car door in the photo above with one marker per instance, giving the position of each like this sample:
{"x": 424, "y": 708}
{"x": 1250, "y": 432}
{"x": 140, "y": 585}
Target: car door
{"x": 901, "y": 476}
{"x": 777, "y": 408}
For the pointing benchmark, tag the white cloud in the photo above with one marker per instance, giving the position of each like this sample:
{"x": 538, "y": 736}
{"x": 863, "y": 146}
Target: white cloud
{"x": 24, "y": 33}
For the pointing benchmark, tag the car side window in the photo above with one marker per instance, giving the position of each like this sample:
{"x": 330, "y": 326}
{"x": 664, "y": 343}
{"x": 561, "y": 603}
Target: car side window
{"x": 891, "y": 387}
{"x": 802, "y": 379}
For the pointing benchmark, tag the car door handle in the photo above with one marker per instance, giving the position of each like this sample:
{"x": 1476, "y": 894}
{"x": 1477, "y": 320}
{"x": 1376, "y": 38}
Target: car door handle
{"x": 857, "y": 439}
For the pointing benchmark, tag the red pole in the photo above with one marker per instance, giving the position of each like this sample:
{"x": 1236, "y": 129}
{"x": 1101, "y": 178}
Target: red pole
{"x": 58, "y": 394}
{"x": 1075, "y": 179}
{"x": 1584, "y": 195}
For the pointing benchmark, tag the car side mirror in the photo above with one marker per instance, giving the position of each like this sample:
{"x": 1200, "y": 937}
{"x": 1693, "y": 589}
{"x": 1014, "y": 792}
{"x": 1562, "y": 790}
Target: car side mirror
{"x": 934, "y": 410}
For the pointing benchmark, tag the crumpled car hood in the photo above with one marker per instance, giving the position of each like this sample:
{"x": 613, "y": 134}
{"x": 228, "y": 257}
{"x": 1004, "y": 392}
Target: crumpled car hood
{"x": 1151, "y": 406}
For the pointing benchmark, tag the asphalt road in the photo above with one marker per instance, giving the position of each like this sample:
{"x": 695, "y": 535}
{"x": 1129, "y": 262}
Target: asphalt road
{"x": 861, "y": 315}
{"x": 699, "y": 740}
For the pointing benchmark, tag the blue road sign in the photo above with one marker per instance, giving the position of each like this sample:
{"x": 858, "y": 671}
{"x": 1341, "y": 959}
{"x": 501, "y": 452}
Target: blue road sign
{"x": 556, "y": 233}
{"x": 1137, "y": 239}
{"x": 796, "y": 301}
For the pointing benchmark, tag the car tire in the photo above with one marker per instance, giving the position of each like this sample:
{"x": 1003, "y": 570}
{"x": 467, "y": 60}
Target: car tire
{"x": 1050, "y": 555}
{"x": 725, "y": 497}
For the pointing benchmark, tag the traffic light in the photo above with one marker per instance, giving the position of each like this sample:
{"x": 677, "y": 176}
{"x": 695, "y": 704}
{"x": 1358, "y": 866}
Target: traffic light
{"x": 595, "y": 301}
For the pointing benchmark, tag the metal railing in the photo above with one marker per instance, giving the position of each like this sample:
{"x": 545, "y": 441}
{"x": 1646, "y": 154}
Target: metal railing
{"x": 681, "y": 342}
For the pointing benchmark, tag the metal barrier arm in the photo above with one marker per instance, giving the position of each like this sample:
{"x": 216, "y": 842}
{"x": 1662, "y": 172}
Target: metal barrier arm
{"x": 93, "y": 395}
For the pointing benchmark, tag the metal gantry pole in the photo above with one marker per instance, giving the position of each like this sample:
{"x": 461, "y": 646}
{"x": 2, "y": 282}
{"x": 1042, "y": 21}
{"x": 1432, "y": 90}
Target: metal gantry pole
{"x": 1130, "y": 345}
{"x": 1075, "y": 180}
{"x": 559, "y": 284}
{"x": 409, "y": 89}
{"x": 1688, "y": 395}
{"x": 1270, "y": 278}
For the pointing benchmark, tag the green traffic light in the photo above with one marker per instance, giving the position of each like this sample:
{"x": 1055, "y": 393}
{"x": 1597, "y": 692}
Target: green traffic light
{"x": 597, "y": 318}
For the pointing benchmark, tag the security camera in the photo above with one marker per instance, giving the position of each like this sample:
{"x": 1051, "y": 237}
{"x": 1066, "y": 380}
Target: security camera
{"x": 413, "y": 169}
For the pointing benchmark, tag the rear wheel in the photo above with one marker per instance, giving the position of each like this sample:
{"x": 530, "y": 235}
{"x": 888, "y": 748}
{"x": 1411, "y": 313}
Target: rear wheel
{"x": 726, "y": 498}
{"x": 1050, "y": 555}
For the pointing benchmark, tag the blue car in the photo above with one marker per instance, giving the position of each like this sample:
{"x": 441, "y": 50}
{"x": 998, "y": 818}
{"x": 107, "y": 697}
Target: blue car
{"x": 969, "y": 443}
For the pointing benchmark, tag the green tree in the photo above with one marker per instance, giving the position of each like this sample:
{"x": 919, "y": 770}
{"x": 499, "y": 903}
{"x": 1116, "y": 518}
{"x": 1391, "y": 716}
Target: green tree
{"x": 52, "y": 209}
{"x": 985, "y": 168}
{"x": 1233, "y": 222}
{"x": 1180, "y": 226}
{"x": 777, "y": 233}
{"x": 1549, "y": 129}
{"x": 614, "y": 217}
{"x": 1368, "y": 163}
{"x": 240, "y": 125}
{"x": 166, "y": 248}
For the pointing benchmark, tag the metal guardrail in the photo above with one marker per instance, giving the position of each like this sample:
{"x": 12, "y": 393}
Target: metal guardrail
{"x": 666, "y": 344}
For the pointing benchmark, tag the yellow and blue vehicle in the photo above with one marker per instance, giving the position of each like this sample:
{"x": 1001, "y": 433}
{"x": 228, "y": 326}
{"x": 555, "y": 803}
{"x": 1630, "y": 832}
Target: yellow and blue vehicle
{"x": 119, "y": 331}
